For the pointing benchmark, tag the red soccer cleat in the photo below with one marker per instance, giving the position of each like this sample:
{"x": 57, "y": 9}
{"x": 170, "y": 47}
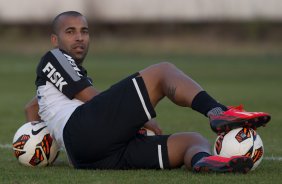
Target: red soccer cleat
{"x": 235, "y": 164}
{"x": 236, "y": 117}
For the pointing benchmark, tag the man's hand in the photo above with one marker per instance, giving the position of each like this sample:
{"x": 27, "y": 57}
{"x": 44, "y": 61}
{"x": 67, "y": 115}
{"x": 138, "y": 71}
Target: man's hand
{"x": 154, "y": 126}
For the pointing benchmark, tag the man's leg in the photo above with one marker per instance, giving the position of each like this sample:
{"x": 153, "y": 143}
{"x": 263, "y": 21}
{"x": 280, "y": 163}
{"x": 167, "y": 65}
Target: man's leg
{"x": 183, "y": 146}
{"x": 193, "y": 150}
{"x": 165, "y": 79}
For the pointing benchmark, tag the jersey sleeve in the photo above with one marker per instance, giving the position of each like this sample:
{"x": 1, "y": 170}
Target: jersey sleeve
{"x": 61, "y": 70}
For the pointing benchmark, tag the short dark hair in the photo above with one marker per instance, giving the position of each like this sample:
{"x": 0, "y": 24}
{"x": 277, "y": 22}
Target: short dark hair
{"x": 55, "y": 22}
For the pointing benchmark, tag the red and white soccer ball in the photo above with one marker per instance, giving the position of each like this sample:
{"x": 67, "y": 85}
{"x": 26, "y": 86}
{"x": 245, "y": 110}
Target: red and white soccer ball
{"x": 33, "y": 145}
{"x": 146, "y": 132}
{"x": 240, "y": 141}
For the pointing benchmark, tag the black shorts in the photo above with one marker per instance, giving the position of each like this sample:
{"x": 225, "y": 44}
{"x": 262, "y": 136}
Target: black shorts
{"x": 102, "y": 133}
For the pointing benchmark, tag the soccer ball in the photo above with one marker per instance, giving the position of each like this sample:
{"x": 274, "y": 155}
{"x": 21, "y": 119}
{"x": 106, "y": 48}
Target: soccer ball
{"x": 146, "y": 132}
{"x": 34, "y": 146}
{"x": 258, "y": 150}
{"x": 240, "y": 141}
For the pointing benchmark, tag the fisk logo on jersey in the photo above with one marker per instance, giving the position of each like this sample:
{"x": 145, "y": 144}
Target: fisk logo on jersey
{"x": 54, "y": 76}
{"x": 73, "y": 64}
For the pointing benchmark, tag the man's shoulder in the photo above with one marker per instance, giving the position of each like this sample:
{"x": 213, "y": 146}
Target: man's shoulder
{"x": 58, "y": 64}
{"x": 58, "y": 56}
{"x": 50, "y": 55}
{"x": 47, "y": 57}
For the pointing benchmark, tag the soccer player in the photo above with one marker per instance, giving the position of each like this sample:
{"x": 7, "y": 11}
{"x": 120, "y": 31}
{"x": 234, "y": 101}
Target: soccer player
{"x": 99, "y": 129}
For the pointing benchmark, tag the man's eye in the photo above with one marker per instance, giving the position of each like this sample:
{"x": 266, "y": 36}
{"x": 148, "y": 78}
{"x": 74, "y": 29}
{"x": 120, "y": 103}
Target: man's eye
{"x": 69, "y": 32}
{"x": 85, "y": 32}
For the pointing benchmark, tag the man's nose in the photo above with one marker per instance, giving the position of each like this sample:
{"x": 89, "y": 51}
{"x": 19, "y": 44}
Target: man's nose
{"x": 79, "y": 37}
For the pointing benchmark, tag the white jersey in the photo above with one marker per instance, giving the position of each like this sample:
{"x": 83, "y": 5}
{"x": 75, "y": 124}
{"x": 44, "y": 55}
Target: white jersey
{"x": 59, "y": 79}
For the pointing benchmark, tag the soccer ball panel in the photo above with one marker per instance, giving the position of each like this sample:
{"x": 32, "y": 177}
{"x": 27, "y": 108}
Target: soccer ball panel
{"x": 34, "y": 146}
{"x": 240, "y": 142}
{"x": 235, "y": 142}
{"x": 258, "y": 152}
{"x": 145, "y": 132}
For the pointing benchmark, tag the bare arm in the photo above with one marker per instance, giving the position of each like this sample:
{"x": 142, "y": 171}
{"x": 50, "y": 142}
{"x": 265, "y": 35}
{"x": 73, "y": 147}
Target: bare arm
{"x": 86, "y": 94}
{"x": 31, "y": 110}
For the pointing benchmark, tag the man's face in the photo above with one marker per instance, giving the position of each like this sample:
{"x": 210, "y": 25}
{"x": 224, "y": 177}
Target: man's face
{"x": 72, "y": 36}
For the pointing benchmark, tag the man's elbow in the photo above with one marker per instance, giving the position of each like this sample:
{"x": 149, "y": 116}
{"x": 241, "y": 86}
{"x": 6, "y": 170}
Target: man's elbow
{"x": 27, "y": 108}
{"x": 31, "y": 112}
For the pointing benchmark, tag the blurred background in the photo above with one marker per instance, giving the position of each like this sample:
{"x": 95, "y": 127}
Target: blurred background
{"x": 228, "y": 46}
{"x": 197, "y": 26}
{"x": 233, "y": 48}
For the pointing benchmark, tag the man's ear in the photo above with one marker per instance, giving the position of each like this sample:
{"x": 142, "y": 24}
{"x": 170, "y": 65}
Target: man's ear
{"x": 54, "y": 40}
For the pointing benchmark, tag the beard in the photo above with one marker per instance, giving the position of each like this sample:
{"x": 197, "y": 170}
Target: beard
{"x": 79, "y": 60}
{"x": 79, "y": 57}
{"x": 77, "y": 51}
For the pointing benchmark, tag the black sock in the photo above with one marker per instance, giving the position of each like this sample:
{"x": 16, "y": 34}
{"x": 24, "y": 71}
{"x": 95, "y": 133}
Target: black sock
{"x": 203, "y": 103}
{"x": 198, "y": 156}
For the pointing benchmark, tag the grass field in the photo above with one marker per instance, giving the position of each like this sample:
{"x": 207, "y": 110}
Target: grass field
{"x": 253, "y": 80}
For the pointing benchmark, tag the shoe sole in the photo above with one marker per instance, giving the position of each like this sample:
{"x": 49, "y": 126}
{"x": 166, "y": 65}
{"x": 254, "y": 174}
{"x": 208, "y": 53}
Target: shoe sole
{"x": 235, "y": 165}
{"x": 226, "y": 126}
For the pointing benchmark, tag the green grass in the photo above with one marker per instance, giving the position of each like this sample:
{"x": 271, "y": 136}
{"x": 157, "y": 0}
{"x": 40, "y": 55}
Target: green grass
{"x": 252, "y": 80}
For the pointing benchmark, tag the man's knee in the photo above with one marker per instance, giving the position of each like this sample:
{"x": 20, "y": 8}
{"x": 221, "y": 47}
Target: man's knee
{"x": 166, "y": 66}
{"x": 196, "y": 135}
{"x": 158, "y": 70}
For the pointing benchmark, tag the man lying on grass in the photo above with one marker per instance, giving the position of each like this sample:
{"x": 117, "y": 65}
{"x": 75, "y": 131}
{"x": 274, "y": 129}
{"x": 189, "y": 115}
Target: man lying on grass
{"x": 99, "y": 129}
